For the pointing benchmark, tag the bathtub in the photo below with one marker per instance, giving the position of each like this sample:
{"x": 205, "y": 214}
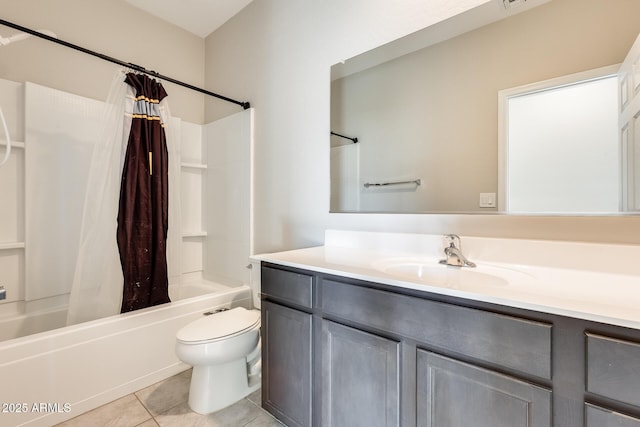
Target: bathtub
{"x": 19, "y": 319}
{"x": 55, "y": 375}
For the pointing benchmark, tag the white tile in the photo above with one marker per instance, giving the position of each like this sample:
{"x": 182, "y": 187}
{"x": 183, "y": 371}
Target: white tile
{"x": 236, "y": 415}
{"x": 162, "y": 396}
{"x": 124, "y": 412}
{"x": 264, "y": 420}
{"x": 148, "y": 423}
{"x": 256, "y": 397}
{"x": 164, "y": 404}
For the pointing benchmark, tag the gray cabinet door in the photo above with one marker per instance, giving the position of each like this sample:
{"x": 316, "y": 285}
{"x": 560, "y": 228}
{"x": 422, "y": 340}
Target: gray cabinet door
{"x": 455, "y": 394}
{"x": 600, "y": 417}
{"x": 286, "y": 364}
{"x": 360, "y": 378}
{"x": 613, "y": 368}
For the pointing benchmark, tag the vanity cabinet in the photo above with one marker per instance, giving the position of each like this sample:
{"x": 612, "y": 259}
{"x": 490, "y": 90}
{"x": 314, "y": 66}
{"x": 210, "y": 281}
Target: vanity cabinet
{"x": 613, "y": 372}
{"x": 613, "y": 368}
{"x": 455, "y": 394}
{"x": 360, "y": 378}
{"x": 600, "y": 417}
{"x": 506, "y": 341}
{"x": 344, "y": 352}
{"x": 286, "y": 346}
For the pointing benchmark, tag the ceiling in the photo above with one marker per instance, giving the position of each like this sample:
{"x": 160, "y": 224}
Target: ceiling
{"x": 200, "y": 17}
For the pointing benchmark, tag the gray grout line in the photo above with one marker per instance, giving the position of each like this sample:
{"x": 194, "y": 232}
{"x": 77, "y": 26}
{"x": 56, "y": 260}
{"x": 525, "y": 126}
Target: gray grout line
{"x": 262, "y": 410}
{"x": 151, "y": 417}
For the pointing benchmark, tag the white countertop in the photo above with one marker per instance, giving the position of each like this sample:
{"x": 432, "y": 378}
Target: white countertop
{"x": 611, "y": 297}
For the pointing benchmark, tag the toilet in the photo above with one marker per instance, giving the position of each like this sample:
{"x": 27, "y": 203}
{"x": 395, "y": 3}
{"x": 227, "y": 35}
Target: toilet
{"x": 224, "y": 349}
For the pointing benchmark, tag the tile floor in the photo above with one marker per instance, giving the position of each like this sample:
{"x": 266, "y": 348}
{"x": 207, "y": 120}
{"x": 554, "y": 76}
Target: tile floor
{"x": 164, "y": 404}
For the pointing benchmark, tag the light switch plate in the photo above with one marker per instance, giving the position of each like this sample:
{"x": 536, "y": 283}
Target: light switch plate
{"x": 487, "y": 200}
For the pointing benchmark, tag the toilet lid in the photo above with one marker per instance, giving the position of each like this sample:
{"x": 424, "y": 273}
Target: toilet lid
{"x": 219, "y": 325}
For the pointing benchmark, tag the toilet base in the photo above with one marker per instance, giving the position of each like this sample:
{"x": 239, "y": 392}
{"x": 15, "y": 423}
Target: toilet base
{"x": 216, "y": 387}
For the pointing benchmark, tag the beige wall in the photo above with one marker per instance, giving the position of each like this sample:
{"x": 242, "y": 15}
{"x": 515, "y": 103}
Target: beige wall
{"x": 112, "y": 28}
{"x": 277, "y": 54}
{"x": 433, "y": 114}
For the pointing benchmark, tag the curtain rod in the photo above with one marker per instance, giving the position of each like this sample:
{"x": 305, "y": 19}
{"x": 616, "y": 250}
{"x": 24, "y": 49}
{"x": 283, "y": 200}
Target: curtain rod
{"x": 134, "y": 67}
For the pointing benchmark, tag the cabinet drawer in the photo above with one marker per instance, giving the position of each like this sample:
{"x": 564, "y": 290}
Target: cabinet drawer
{"x": 506, "y": 341}
{"x": 613, "y": 368}
{"x": 600, "y": 417}
{"x": 287, "y": 286}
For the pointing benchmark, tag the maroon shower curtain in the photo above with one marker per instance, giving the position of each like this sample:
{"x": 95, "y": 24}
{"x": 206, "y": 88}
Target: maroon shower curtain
{"x": 143, "y": 210}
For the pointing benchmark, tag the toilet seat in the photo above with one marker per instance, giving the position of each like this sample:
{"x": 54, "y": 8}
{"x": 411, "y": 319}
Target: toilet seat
{"x": 219, "y": 326}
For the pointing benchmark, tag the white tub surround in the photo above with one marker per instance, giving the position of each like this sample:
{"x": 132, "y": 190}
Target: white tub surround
{"x": 211, "y": 231}
{"x": 596, "y": 282}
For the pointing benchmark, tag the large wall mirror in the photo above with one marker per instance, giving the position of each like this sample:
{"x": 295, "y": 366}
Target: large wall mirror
{"x": 430, "y": 113}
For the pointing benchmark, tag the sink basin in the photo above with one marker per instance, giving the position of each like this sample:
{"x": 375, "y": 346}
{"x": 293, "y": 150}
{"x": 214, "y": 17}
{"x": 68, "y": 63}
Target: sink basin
{"x": 431, "y": 272}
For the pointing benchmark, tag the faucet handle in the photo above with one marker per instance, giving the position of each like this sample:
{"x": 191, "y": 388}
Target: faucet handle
{"x": 453, "y": 252}
{"x": 451, "y": 240}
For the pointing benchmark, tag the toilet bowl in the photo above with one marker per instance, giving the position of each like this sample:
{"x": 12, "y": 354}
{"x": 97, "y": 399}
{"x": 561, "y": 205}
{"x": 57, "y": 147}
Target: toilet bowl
{"x": 224, "y": 350}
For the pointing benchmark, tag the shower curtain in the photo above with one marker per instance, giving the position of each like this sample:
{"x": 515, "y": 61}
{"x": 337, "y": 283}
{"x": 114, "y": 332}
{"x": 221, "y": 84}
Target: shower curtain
{"x": 97, "y": 288}
{"x": 143, "y": 212}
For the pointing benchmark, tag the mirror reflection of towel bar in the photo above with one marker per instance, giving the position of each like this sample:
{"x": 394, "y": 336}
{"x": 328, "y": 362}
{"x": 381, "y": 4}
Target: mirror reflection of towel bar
{"x": 382, "y": 184}
{"x": 355, "y": 140}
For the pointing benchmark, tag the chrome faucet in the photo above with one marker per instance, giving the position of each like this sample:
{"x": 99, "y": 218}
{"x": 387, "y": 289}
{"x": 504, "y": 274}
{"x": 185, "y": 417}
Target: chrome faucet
{"x": 453, "y": 252}
{"x": 3, "y": 293}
